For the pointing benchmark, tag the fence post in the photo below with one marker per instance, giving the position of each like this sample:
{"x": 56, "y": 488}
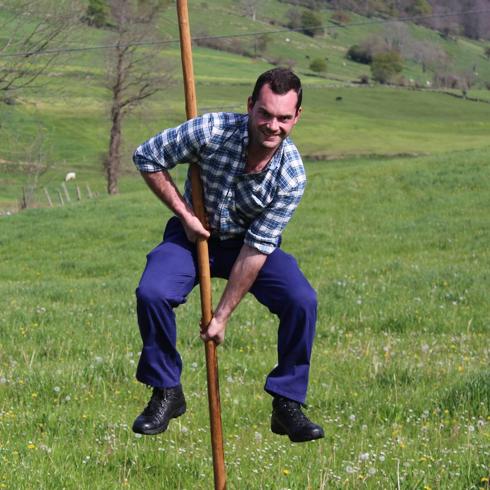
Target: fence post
{"x": 48, "y": 197}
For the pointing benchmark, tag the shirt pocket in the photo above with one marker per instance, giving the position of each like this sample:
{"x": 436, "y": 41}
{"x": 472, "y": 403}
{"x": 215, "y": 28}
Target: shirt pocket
{"x": 251, "y": 198}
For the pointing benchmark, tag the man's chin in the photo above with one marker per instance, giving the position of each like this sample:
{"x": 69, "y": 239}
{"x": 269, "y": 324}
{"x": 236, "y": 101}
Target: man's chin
{"x": 271, "y": 143}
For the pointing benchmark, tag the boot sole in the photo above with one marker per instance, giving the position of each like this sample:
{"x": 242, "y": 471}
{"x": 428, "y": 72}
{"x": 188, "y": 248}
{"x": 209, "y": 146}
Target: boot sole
{"x": 161, "y": 428}
{"x": 278, "y": 429}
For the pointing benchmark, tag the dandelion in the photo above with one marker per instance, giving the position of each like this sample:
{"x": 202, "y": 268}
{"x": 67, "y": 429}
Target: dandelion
{"x": 56, "y": 389}
{"x": 34, "y": 395}
{"x": 364, "y": 456}
{"x": 285, "y": 472}
{"x": 31, "y": 446}
{"x": 352, "y": 418}
{"x": 194, "y": 365}
{"x": 349, "y": 469}
{"x": 371, "y": 471}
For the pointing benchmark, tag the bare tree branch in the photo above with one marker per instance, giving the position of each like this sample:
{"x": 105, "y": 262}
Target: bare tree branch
{"x": 32, "y": 27}
{"x": 131, "y": 78}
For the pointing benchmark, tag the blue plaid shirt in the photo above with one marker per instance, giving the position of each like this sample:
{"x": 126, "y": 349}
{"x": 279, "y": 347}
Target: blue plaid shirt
{"x": 254, "y": 205}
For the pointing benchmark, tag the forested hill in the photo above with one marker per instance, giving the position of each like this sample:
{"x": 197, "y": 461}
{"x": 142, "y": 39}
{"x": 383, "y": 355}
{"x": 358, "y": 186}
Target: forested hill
{"x": 435, "y": 14}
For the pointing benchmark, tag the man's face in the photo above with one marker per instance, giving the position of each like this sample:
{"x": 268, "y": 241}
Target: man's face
{"x": 272, "y": 117}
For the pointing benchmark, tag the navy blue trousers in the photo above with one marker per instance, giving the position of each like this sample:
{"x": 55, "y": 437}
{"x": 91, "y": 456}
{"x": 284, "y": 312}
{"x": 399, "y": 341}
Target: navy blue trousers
{"x": 171, "y": 274}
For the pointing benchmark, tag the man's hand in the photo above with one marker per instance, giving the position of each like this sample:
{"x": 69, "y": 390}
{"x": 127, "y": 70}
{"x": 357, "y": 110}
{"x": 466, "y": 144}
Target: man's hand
{"x": 215, "y": 331}
{"x": 242, "y": 276}
{"x": 163, "y": 186}
{"x": 194, "y": 229}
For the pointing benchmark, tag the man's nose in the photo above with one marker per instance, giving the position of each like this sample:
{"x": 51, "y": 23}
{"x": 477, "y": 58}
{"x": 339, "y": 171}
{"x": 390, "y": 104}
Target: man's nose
{"x": 273, "y": 124}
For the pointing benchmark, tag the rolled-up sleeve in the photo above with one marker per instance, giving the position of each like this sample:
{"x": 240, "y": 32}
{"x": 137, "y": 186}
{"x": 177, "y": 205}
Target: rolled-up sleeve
{"x": 265, "y": 231}
{"x": 172, "y": 146}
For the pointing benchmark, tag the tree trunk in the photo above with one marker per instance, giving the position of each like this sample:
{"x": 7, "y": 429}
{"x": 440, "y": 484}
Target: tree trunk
{"x": 114, "y": 157}
{"x": 113, "y": 163}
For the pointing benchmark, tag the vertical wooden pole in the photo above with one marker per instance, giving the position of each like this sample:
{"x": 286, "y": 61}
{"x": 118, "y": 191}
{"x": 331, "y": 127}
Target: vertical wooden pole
{"x": 203, "y": 258}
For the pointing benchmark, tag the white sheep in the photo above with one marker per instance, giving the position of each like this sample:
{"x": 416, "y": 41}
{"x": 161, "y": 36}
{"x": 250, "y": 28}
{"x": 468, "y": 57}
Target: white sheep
{"x": 70, "y": 176}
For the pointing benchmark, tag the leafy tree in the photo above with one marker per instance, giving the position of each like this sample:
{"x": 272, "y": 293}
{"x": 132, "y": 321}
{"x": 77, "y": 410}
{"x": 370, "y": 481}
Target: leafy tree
{"x": 420, "y": 7}
{"x": 341, "y": 17}
{"x": 311, "y": 23}
{"x": 386, "y": 66}
{"x": 97, "y": 14}
{"x": 359, "y": 54}
{"x": 318, "y": 65}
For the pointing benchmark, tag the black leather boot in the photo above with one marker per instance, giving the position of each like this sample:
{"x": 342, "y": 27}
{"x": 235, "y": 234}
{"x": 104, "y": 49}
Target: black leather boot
{"x": 288, "y": 419}
{"x": 165, "y": 404}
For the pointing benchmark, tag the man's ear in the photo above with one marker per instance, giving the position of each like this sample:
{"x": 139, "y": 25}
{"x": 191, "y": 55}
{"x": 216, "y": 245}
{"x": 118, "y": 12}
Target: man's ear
{"x": 298, "y": 114}
{"x": 250, "y": 104}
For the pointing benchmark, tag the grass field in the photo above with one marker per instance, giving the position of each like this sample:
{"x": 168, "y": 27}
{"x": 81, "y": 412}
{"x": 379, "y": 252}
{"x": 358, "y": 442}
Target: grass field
{"x": 393, "y": 233}
{"x": 398, "y": 252}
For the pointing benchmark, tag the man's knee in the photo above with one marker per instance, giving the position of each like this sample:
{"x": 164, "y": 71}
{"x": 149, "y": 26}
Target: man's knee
{"x": 303, "y": 297}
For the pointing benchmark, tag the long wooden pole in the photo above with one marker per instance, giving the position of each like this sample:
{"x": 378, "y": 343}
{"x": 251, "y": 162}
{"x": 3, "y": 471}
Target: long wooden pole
{"x": 203, "y": 258}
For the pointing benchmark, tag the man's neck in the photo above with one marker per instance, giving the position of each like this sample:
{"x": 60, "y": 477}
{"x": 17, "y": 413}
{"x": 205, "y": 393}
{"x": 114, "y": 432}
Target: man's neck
{"x": 258, "y": 158}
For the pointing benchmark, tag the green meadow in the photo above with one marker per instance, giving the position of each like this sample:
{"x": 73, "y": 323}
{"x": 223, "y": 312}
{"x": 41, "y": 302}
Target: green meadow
{"x": 392, "y": 232}
{"x": 398, "y": 252}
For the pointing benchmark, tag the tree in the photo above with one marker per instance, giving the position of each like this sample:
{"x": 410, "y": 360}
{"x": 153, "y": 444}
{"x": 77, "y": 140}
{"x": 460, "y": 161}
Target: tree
{"x": 250, "y": 7}
{"x": 487, "y": 52}
{"x": 318, "y": 65}
{"x": 386, "y": 65}
{"x": 420, "y": 7}
{"x": 359, "y": 54}
{"x": 135, "y": 72}
{"x": 97, "y": 14}
{"x": 311, "y": 23}
{"x": 30, "y": 31}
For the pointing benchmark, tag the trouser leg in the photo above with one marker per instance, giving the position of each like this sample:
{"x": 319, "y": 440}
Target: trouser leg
{"x": 169, "y": 276}
{"x": 282, "y": 287}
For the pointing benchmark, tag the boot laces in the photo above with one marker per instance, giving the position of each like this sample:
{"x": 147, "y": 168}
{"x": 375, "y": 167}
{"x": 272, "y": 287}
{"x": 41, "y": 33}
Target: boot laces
{"x": 155, "y": 403}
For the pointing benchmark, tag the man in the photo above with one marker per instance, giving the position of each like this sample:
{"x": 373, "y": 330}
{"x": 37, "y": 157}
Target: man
{"x": 253, "y": 179}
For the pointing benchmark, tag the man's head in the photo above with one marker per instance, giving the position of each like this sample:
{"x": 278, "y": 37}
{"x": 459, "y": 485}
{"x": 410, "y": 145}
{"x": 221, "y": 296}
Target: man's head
{"x": 281, "y": 81}
{"x": 274, "y": 107}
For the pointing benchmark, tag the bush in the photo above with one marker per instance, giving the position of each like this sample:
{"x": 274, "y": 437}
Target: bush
{"x": 462, "y": 81}
{"x": 364, "y": 79}
{"x": 487, "y": 52}
{"x": 97, "y": 14}
{"x": 359, "y": 54}
{"x": 311, "y": 23}
{"x": 386, "y": 66}
{"x": 318, "y": 65}
{"x": 340, "y": 17}
{"x": 232, "y": 45}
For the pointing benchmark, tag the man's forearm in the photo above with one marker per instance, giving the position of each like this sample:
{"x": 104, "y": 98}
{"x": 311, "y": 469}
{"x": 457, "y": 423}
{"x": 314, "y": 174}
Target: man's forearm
{"x": 242, "y": 276}
{"x": 165, "y": 189}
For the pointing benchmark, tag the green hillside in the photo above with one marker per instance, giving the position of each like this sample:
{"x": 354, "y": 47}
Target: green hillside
{"x": 64, "y": 122}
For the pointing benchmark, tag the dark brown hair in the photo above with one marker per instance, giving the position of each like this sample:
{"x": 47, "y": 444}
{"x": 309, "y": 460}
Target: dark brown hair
{"x": 281, "y": 81}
